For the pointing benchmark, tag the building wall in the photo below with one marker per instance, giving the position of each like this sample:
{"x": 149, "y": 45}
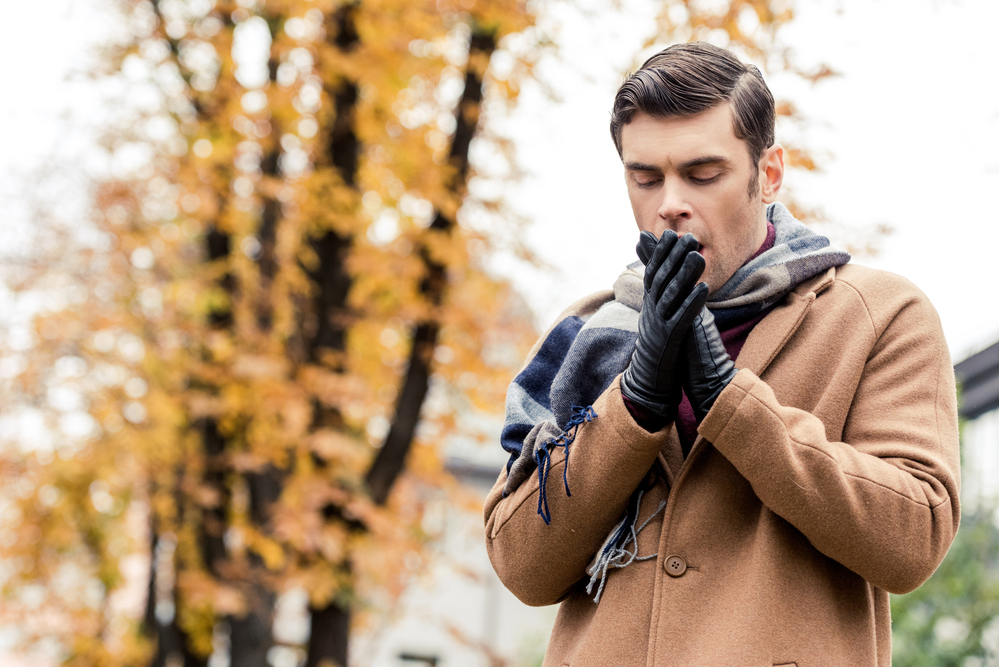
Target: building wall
{"x": 980, "y": 460}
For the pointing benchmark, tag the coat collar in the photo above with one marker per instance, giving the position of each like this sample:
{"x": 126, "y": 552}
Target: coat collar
{"x": 770, "y": 336}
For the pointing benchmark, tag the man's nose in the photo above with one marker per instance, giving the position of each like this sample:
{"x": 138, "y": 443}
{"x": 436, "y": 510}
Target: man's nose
{"x": 674, "y": 206}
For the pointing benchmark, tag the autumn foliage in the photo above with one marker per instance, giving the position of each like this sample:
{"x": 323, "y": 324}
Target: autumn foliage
{"x": 243, "y": 332}
{"x": 274, "y": 320}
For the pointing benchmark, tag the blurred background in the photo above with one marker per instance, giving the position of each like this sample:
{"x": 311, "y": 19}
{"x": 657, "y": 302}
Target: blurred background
{"x": 268, "y": 267}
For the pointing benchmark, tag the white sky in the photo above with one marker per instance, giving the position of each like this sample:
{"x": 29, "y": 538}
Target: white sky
{"x": 912, "y": 126}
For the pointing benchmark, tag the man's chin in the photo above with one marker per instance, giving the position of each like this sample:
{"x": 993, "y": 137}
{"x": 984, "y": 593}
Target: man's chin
{"x": 708, "y": 276}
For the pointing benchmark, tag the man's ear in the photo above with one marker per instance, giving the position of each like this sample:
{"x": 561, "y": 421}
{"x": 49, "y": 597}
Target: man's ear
{"x": 771, "y": 172}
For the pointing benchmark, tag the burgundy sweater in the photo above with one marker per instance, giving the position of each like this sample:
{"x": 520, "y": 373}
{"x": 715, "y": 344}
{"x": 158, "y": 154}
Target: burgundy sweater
{"x": 733, "y": 338}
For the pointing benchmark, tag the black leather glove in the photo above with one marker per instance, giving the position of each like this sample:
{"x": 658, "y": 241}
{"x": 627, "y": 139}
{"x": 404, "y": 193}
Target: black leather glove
{"x": 707, "y": 368}
{"x": 673, "y": 298}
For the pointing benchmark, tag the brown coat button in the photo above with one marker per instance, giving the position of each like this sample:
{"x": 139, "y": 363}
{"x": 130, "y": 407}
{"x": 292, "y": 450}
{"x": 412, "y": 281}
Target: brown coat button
{"x": 675, "y": 566}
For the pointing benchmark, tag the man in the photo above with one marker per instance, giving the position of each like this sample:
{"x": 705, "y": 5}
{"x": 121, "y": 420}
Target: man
{"x": 740, "y": 450}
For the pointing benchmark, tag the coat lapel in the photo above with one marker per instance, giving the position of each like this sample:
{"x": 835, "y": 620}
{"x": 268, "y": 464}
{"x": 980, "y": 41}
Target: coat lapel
{"x": 769, "y": 337}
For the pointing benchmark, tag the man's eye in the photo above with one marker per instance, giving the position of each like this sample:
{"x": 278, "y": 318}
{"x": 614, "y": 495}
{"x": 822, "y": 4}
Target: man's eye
{"x": 704, "y": 180}
{"x": 648, "y": 184}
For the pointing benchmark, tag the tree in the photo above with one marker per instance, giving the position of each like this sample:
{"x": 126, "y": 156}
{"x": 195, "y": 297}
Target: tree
{"x": 242, "y": 338}
{"x": 275, "y": 310}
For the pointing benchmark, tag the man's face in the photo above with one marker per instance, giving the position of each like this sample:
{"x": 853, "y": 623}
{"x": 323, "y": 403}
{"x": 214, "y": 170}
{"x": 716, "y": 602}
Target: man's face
{"x": 692, "y": 175}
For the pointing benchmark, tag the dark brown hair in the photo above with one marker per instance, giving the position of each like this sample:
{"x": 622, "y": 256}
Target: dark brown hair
{"x": 686, "y": 79}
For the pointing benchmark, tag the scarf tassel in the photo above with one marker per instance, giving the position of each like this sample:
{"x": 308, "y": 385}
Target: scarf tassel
{"x": 543, "y": 456}
{"x": 615, "y": 553}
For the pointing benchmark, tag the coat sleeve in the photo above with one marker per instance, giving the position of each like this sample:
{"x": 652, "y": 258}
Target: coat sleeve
{"x": 610, "y": 456}
{"x": 884, "y": 502}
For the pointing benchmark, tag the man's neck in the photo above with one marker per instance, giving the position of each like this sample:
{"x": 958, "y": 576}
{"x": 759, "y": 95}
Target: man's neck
{"x": 768, "y": 242}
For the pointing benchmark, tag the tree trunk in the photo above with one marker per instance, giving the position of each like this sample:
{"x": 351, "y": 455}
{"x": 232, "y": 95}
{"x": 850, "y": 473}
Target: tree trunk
{"x": 328, "y": 637}
{"x": 330, "y": 623}
{"x": 391, "y": 458}
{"x": 250, "y": 636}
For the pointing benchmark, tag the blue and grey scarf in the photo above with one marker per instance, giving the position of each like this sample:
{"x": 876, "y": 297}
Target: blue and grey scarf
{"x": 552, "y": 397}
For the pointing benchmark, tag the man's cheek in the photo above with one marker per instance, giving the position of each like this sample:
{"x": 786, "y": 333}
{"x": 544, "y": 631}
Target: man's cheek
{"x": 708, "y": 266}
{"x": 649, "y": 217}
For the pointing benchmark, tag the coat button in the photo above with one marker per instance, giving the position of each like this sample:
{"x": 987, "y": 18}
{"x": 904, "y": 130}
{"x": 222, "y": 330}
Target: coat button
{"x": 675, "y": 566}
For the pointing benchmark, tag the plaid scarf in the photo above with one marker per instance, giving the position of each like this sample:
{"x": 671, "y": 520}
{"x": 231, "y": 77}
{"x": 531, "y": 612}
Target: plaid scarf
{"x": 552, "y": 397}
{"x": 797, "y": 255}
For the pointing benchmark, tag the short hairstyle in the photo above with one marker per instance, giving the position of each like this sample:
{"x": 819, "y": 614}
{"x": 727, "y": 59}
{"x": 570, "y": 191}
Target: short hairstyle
{"x": 686, "y": 79}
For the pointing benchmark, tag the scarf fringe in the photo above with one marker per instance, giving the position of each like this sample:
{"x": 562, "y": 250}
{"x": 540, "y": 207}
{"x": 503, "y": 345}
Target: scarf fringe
{"x": 543, "y": 456}
{"x": 614, "y": 553}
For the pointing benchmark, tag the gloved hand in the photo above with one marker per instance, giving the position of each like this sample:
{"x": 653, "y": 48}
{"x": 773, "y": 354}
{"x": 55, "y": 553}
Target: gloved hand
{"x": 673, "y": 298}
{"x": 707, "y": 369}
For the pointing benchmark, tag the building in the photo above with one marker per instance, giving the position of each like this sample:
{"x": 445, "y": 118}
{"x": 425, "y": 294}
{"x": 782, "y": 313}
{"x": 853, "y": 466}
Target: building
{"x": 978, "y": 386}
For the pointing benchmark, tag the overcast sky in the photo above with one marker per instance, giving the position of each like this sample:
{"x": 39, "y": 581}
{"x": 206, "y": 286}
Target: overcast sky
{"x": 911, "y": 126}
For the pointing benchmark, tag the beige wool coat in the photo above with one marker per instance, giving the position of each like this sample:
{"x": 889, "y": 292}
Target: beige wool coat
{"x": 825, "y": 476}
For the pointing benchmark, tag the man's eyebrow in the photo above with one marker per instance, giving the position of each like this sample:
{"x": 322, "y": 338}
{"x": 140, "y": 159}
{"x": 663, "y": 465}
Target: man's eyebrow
{"x": 640, "y": 166}
{"x": 689, "y": 164}
{"x": 699, "y": 161}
